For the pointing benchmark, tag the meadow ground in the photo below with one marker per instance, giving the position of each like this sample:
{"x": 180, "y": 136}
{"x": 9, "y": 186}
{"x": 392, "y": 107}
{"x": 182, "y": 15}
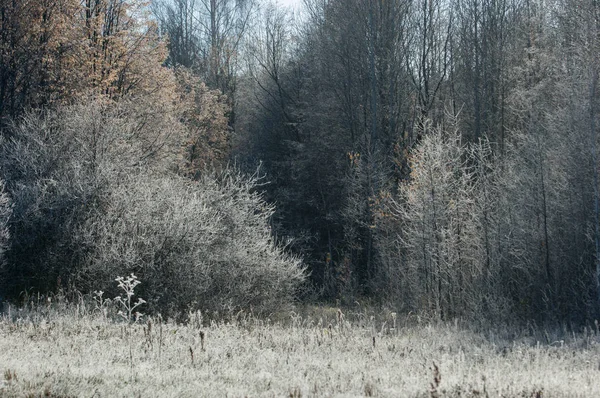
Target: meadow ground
{"x": 68, "y": 354}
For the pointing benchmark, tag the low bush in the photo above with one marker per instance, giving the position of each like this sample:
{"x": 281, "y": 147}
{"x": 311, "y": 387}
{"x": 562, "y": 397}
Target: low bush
{"x": 205, "y": 244}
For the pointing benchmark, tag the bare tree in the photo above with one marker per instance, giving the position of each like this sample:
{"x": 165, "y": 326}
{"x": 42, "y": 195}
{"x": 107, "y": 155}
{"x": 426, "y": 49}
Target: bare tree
{"x": 5, "y": 213}
{"x": 440, "y": 227}
{"x": 429, "y": 51}
{"x": 207, "y": 36}
{"x": 178, "y": 20}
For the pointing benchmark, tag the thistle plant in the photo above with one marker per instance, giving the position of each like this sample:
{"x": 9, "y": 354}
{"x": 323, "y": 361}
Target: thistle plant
{"x": 128, "y": 285}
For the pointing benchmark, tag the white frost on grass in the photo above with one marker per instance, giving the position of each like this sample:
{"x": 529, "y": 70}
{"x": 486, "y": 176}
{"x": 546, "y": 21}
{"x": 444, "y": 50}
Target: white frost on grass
{"x": 88, "y": 356}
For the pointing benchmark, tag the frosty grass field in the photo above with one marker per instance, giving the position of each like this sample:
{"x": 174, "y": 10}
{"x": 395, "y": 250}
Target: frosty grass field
{"x": 319, "y": 352}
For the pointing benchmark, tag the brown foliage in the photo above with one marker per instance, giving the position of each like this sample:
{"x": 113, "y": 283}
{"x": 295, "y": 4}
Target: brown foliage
{"x": 60, "y": 50}
{"x": 204, "y": 113}
{"x": 57, "y": 52}
{"x": 38, "y": 52}
{"x": 124, "y": 51}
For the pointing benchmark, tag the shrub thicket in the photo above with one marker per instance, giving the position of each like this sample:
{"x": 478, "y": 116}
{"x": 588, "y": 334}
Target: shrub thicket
{"x": 56, "y": 166}
{"x": 478, "y": 236}
{"x": 203, "y": 243}
{"x": 96, "y": 196}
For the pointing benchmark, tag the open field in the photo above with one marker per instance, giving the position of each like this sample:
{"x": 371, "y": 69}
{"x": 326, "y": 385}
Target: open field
{"x": 87, "y": 356}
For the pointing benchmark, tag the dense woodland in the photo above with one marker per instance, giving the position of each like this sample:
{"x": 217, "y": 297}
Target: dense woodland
{"x": 438, "y": 157}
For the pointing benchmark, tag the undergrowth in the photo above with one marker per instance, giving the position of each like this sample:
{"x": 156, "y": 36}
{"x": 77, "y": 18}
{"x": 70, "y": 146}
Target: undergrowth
{"x": 57, "y": 347}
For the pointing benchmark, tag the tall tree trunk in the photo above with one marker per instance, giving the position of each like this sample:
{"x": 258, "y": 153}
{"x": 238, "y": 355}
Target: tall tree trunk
{"x": 593, "y": 89}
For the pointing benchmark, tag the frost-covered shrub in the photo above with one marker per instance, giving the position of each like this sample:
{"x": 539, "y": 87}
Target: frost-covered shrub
{"x": 207, "y": 244}
{"x": 50, "y": 184}
{"x": 56, "y": 166}
{"x": 439, "y": 243}
{"x": 96, "y": 196}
